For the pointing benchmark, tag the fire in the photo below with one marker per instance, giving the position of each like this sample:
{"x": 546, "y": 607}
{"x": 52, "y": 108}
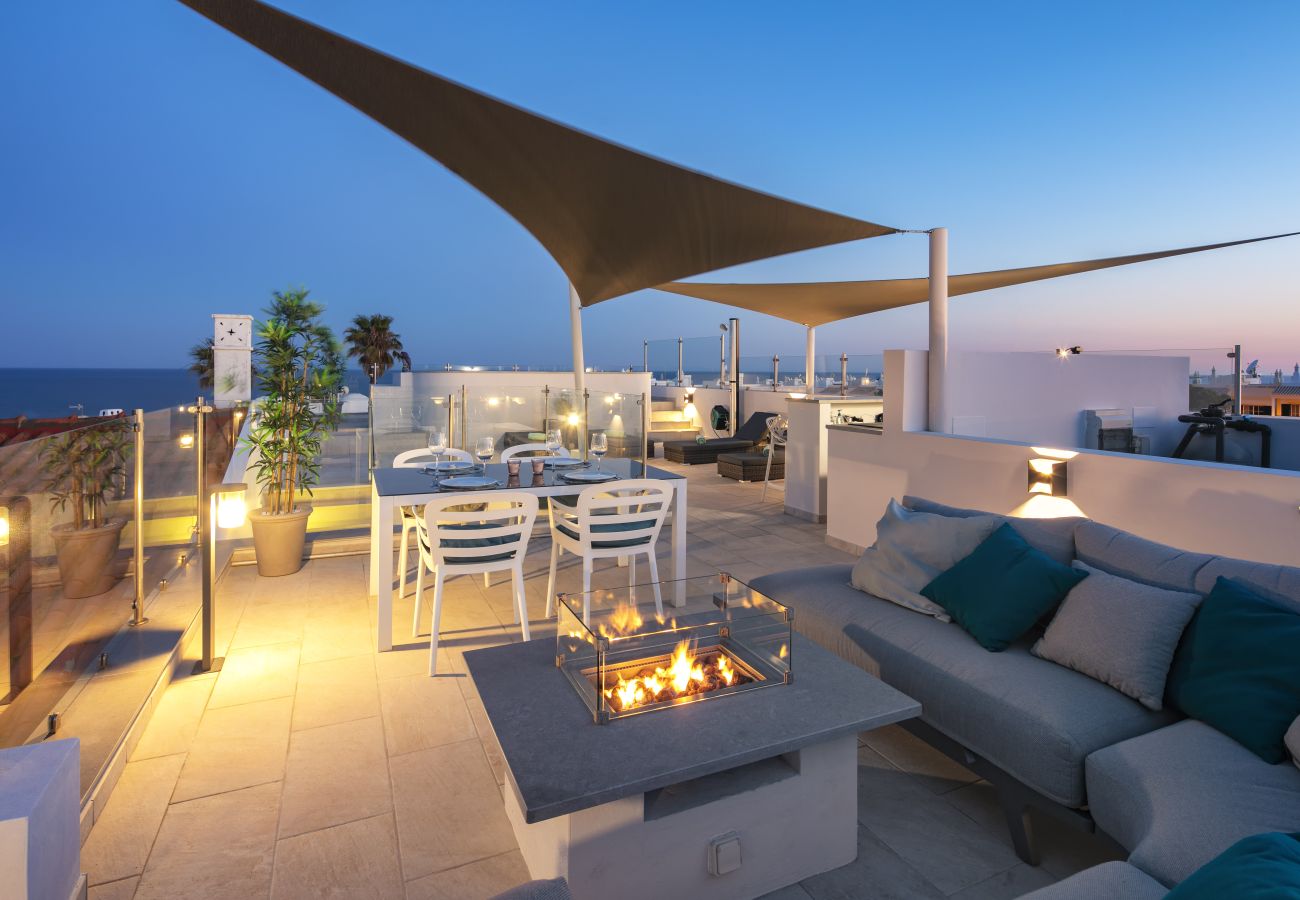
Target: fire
{"x": 623, "y": 620}
{"x": 684, "y": 675}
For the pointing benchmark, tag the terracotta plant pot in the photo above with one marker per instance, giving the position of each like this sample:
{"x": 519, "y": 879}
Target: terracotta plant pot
{"x": 278, "y": 541}
{"x": 86, "y": 563}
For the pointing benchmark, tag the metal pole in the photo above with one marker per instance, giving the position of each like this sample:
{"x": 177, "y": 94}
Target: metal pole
{"x": 586, "y": 396}
{"x": 938, "y": 355}
{"x": 809, "y": 367}
{"x": 1236, "y": 380}
{"x": 645, "y": 356}
{"x": 207, "y": 552}
{"x": 645, "y": 428}
{"x": 680, "y": 373}
{"x": 735, "y": 373}
{"x": 844, "y": 374}
{"x": 575, "y": 333}
{"x": 776, "y": 371}
{"x": 137, "y": 601}
{"x": 722, "y": 356}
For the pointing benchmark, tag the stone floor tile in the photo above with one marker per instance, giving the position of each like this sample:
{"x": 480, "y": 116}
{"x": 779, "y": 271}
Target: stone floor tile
{"x": 237, "y": 747}
{"x": 257, "y": 673}
{"x": 491, "y": 746}
{"x": 914, "y": 756}
{"x": 119, "y": 842}
{"x": 1014, "y": 882}
{"x": 420, "y": 712}
{"x": 270, "y": 620}
{"x": 354, "y": 861}
{"x": 218, "y": 848}
{"x": 114, "y": 890}
{"x": 336, "y": 637}
{"x": 335, "y": 774}
{"x": 474, "y": 881}
{"x": 175, "y": 720}
{"x": 791, "y": 892}
{"x": 432, "y": 790}
{"x": 877, "y": 874}
{"x": 336, "y": 690}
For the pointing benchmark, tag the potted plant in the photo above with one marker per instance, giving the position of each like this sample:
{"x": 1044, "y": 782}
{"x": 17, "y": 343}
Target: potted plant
{"x": 299, "y": 369}
{"x": 82, "y": 467}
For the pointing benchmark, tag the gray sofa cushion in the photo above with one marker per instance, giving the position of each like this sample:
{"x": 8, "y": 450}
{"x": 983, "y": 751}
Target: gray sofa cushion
{"x": 912, "y": 549}
{"x": 1120, "y": 632}
{"x": 542, "y": 889}
{"x": 1032, "y": 718}
{"x": 1129, "y": 556}
{"x": 1108, "y": 881}
{"x": 1280, "y": 582}
{"x": 1180, "y": 796}
{"x": 1293, "y": 741}
{"x": 1055, "y": 537}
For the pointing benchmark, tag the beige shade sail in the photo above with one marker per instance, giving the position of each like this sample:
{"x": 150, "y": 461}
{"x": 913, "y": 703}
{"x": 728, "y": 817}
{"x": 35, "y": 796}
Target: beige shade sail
{"x": 614, "y": 219}
{"x": 819, "y": 302}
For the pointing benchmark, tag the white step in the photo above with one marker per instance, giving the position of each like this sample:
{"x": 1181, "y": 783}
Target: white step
{"x": 663, "y": 404}
{"x": 668, "y": 415}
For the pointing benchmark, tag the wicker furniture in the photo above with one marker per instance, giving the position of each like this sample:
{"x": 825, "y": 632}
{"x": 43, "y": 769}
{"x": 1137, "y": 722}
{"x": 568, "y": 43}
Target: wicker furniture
{"x": 694, "y": 453}
{"x": 750, "y": 466}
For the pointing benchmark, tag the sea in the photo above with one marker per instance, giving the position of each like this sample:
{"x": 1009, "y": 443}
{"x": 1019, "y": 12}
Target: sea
{"x": 62, "y": 392}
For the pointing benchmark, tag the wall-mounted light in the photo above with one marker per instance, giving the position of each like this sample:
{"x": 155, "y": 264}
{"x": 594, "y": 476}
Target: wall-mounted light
{"x": 573, "y": 419}
{"x": 4, "y": 527}
{"x": 1047, "y": 476}
{"x": 186, "y": 441}
{"x": 1067, "y": 352}
{"x": 689, "y": 407}
{"x": 494, "y": 401}
{"x": 232, "y": 508}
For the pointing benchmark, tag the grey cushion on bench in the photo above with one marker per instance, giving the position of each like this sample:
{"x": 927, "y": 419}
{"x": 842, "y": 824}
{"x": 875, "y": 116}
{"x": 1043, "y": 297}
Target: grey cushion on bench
{"x": 1108, "y": 881}
{"x": 1055, "y": 537}
{"x": 1032, "y": 718}
{"x": 1180, "y": 796}
{"x": 1280, "y": 582}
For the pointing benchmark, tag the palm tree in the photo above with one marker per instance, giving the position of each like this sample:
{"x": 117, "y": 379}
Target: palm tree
{"x": 201, "y": 367}
{"x": 371, "y": 340}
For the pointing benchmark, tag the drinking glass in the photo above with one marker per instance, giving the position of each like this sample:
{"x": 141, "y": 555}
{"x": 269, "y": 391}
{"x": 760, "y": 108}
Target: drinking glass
{"x": 483, "y": 449}
{"x": 599, "y": 445}
{"x": 437, "y": 446}
{"x": 554, "y": 441}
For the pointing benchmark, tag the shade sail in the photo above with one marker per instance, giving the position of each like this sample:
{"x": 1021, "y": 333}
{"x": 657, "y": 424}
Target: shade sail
{"x": 614, "y": 219}
{"x": 819, "y": 302}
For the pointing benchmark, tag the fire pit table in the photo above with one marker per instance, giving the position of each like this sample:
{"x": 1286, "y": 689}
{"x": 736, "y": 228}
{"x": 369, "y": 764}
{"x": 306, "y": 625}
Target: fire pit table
{"x": 711, "y": 752}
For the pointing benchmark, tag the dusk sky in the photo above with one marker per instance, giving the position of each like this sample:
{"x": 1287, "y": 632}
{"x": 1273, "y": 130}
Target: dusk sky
{"x": 157, "y": 169}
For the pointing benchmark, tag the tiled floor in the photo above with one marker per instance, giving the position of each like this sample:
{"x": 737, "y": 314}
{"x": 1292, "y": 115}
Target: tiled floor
{"x": 312, "y": 766}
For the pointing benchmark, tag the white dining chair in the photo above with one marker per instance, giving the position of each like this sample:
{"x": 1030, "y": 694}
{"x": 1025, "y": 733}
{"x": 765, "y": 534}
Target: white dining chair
{"x": 414, "y": 459}
{"x": 532, "y": 449}
{"x": 619, "y": 519}
{"x": 778, "y": 432}
{"x": 469, "y": 541}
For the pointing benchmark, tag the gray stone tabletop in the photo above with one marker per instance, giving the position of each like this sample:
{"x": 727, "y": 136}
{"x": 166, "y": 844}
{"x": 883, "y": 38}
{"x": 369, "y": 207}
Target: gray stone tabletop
{"x": 560, "y": 761}
{"x": 395, "y": 482}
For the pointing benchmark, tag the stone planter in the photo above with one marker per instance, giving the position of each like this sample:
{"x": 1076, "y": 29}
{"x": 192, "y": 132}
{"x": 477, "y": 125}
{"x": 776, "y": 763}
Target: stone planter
{"x": 278, "y": 540}
{"x": 86, "y": 557}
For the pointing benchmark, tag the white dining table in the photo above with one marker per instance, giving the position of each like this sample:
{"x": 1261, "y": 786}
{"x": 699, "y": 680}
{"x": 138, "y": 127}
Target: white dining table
{"x": 391, "y": 488}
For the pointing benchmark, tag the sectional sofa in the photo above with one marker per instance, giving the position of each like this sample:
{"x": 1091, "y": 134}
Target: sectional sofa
{"x": 1172, "y": 791}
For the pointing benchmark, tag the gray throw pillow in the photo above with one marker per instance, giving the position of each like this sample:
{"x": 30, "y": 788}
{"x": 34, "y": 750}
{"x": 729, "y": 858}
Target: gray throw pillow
{"x": 1293, "y": 741}
{"x": 1122, "y": 633}
{"x": 914, "y": 548}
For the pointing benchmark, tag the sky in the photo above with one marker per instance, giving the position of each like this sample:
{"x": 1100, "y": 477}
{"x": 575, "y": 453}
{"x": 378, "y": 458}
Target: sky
{"x": 154, "y": 169}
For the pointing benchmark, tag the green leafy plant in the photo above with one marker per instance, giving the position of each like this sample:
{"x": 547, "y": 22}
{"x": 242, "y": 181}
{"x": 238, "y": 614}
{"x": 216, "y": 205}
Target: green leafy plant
{"x": 201, "y": 363}
{"x": 83, "y": 466}
{"x": 371, "y": 340}
{"x": 299, "y": 370}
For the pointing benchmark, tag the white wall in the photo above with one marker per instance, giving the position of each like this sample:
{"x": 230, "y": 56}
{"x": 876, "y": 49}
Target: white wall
{"x": 1206, "y": 507}
{"x": 1040, "y": 398}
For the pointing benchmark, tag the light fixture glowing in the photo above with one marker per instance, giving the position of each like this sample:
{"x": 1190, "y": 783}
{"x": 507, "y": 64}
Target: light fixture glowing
{"x": 186, "y": 441}
{"x": 573, "y": 419}
{"x": 232, "y": 510}
{"x": 494, "y": 401}
{"x": 798, "y": 396}
{"x": 1067, "y": 352}
{"x": 4, "y": 528}
{"x": 1047, "y": 476}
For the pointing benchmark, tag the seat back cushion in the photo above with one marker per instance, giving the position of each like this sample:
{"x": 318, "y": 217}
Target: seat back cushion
{"x": 1120, "y": 632}
{"x": 1001, "y": 589}
{"x": 1280, "y": 583}
{"x": 1055, "y": 537}
{"x": 911, "y": 550}
{"x": 1293, "y": 741}
{"x": 1262, "y": 866}
{"x": 1137, "y": 559}
{"x": 1238, "y": 670}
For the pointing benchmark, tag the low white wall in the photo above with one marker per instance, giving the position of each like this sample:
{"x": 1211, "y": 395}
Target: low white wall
{"x": 1040, "y": 398}
{"x": 1231, "y": 510}
{"x": 435, "y": 383}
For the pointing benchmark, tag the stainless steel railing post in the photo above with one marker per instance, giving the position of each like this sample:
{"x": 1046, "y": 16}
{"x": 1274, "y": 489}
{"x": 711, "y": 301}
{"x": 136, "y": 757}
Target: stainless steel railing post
{"x": 844, "y": 374}
{"x": 776, "y": 371}
{"x": 137, "y": 601}
{"x": 681, "y": 376}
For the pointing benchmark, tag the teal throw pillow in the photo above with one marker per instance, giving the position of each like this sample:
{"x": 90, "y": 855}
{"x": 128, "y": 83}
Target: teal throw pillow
{"x": 1238, "y": 669}
{"x": 1000, "y": 590}
{"x": 1260, "y": 867}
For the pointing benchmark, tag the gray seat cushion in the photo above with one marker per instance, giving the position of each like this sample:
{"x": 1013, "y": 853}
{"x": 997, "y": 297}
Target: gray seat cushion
{"x": 1055, "y": 537}
{"x": 1108, "y": 881}
{"x": 1030, "y": 717}
{"x": 543, "y": 889}
{"x": 1180, "y": 796}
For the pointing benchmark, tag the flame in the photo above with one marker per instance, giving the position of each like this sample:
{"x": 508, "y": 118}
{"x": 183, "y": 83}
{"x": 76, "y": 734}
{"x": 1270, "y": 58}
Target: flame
{"x": 785, "y": 651}
{"x": 685, "y": 674}
{"x": 622, "y": 621}
{"x": 725, "y": 671}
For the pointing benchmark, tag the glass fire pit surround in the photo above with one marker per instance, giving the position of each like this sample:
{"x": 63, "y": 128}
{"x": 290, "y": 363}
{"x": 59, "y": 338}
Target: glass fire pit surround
{"x": 625, "y": 659}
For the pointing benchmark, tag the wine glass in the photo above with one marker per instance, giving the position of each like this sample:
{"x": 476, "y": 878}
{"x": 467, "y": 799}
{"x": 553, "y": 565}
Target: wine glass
{"x": 554, "y": 441}
{"x": 599, "y": 445}
{"x": 483, "y": 449}
{"x": 437, "y": 446}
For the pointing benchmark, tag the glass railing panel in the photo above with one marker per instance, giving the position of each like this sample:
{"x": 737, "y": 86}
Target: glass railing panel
{"x": 620, "y": 417}
{"x": 506, "y": 416}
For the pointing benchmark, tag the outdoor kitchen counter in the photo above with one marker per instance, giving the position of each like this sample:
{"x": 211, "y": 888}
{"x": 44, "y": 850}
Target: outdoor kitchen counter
{"x": 560, "y": 761}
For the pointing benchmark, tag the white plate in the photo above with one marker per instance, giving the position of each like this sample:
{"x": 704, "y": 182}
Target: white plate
{"x": 451, "y": 465}
{"x": 591, "y": 476}
{"x": 470, "y": 483}
{"x": 562, "y": 462}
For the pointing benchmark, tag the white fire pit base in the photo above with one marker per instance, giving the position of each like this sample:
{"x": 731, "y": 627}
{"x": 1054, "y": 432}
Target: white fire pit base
{"x": 760, "y": 827}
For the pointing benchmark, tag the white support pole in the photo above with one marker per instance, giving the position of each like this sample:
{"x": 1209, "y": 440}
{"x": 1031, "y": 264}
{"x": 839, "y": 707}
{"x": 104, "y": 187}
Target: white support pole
{"x": 575, "y": 328}
{"x": 809, "y": 369}
{"x": 938, "y": 357}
